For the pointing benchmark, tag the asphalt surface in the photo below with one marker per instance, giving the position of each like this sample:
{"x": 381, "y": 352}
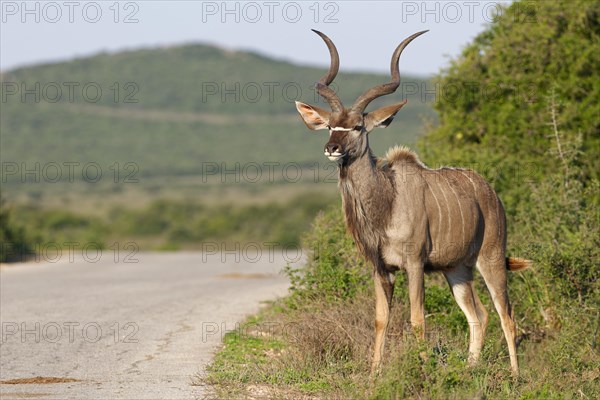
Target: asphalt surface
{"x": 122, "y": 329}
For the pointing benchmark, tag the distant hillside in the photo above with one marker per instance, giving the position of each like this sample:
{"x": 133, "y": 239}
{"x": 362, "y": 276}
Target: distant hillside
{"x": 168, "y": 110}
{"x": 193, "y": 78}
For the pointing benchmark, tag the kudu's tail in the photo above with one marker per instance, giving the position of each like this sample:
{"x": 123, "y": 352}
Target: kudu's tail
{"x": 517, "y": 264}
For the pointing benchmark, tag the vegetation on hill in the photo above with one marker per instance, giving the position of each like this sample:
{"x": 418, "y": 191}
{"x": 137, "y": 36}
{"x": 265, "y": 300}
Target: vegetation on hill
{"x": 539, "y": 148}
{"x": 169, "y": 110}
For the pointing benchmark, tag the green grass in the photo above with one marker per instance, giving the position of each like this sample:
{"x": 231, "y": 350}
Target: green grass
{"x": 436, "y": 368}
{"x": 242, "y": 348}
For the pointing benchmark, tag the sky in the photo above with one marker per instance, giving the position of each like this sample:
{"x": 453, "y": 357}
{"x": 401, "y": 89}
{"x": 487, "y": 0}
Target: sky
{"x": 365, "y": 32}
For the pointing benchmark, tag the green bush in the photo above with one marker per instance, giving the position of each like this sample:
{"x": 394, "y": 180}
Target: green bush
{"x": 493, "y": 100}
{"x": 38, "y": 228}
{"x": 14, "y": 244}
{"x": 161, "y": 225}
{"x": 186, "y": 222}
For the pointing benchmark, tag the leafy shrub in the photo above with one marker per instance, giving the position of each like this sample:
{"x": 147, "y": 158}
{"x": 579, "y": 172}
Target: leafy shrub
{"x": 193, "y": 222}
{"x": 493, "y": 104}
{"x": 560, "y": 226}
{"x": 161, "y": 225}
{"x": 13, "y": 241}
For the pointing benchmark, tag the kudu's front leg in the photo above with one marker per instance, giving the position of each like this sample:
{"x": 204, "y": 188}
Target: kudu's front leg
{"x": 384, "y": 291}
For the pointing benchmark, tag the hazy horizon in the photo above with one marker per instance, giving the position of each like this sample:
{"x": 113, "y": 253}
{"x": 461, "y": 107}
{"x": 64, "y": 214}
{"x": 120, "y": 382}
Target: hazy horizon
{"x": 199, "y": 43}
{"x": 34, "y": 33}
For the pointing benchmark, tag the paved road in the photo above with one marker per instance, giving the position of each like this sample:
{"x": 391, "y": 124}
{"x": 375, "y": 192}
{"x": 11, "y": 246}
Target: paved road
{"x": 126, "y": 330}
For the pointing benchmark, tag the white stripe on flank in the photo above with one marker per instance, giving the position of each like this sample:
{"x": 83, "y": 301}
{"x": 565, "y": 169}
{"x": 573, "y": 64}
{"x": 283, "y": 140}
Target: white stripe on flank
{"x": 472, "y": 183}
{"x": 448, "y": 207}
{"x": 460, "y": 209}
{"x": 438, "y": 205}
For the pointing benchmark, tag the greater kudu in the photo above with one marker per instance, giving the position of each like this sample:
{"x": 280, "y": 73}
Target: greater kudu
{"x": 403, "y": 214}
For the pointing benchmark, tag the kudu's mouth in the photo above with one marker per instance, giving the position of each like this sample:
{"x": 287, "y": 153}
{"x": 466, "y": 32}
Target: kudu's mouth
{"x": 335, "y": 156}
{"x": 334, "y": 151}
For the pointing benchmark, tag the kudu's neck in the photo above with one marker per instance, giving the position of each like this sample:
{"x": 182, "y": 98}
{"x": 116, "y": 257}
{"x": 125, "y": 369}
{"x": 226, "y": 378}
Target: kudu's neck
{"x": 362, "y": 176}
{"x": 367, "y": 198}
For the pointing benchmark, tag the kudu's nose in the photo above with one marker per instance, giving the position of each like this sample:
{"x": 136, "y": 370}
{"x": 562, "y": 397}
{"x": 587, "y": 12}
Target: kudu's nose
{"x": 332, "y": 148}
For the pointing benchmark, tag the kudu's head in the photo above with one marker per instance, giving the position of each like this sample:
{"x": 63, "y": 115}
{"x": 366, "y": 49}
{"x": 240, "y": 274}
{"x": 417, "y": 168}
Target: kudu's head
{"x": 348, "y": 127}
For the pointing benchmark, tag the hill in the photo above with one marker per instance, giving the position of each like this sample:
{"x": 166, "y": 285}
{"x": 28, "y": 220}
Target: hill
{"x": 168, "y": 110}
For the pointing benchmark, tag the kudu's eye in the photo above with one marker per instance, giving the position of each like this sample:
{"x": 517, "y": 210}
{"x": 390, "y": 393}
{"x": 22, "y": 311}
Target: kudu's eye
{"x": 358, "y": 128}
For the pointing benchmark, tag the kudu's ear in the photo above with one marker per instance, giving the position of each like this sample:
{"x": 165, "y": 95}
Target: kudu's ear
{"x": 382, "y": 117}
{"x": 314, "y": 117}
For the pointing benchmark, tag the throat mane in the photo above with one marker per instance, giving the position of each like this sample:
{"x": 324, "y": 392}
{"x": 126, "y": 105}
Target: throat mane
{"x": 367, "y": 197}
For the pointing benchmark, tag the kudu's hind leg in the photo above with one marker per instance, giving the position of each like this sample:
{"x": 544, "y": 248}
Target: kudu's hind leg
{"x": 495, "y": 275}
{"x": 416, "y": 294}
{"x": 384, "y": 291}
{"x": 460, "y": 280}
